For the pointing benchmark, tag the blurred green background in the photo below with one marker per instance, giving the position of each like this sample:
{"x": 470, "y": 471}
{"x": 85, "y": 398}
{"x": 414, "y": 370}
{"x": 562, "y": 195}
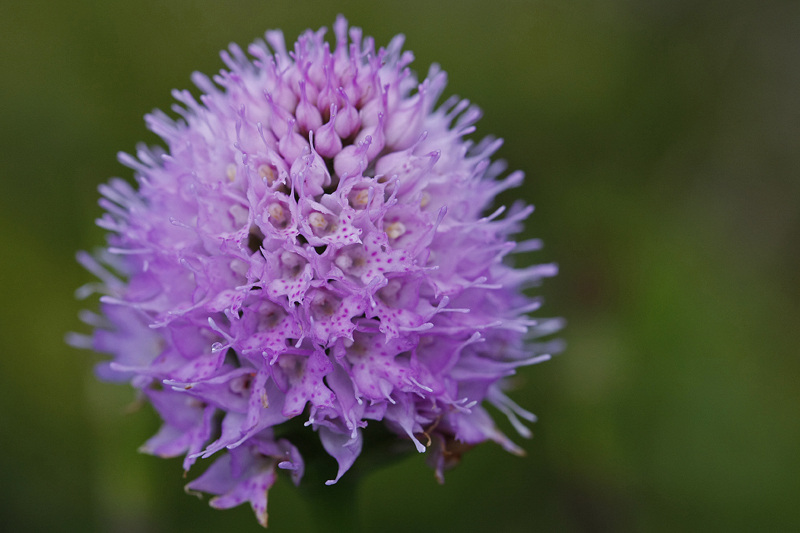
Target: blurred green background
{"x": 661, "y": 140}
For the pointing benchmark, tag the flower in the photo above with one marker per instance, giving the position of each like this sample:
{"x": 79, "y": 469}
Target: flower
{"x": 312, "y": 243}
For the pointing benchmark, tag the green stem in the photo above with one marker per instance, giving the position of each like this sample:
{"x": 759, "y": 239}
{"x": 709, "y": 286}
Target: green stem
{"x": 334, "y": 508}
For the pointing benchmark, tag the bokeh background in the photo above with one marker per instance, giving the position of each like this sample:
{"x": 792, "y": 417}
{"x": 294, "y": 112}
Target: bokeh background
{"x": 661, "y": 140}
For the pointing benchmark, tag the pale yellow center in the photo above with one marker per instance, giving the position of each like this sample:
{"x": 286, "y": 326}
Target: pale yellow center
{"x": 395, "y": 230}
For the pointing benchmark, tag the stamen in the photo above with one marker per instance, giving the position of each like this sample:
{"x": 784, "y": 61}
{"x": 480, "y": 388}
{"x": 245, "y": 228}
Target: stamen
{"x": 395, "y": 230}
{"x": 425, "y": 200}
{"x": 230, "y": 171}
{"x": 277, "y": 213}
{"x": 267, "y": 174}
{"x": 361, "y": 198}
{"x": 317, "y": 220}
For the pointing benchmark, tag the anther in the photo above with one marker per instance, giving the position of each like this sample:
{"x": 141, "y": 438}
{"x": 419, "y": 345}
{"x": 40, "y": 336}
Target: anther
{"x": 277, "y": 213}
{"x": 317, "y": 220}
{"x": 425, "y": 200}
{"x": 361, "y": 198}
{"x": 395, "y": 230}
{"x": 267, "y": 174}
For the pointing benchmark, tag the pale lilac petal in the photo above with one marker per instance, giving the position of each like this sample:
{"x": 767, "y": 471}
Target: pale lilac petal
{"x": 342, "y": 448}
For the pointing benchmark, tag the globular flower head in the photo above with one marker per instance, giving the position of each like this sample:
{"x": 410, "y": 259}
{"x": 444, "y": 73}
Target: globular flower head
{"x": 314, "y": 242}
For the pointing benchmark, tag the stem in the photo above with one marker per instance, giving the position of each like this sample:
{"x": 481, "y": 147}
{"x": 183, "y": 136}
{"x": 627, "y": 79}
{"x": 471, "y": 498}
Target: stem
{"x": 334, "y": 508}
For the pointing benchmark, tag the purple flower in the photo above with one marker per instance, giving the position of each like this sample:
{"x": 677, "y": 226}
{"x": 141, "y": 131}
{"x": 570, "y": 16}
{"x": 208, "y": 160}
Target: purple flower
{"x": 312, "y": 243}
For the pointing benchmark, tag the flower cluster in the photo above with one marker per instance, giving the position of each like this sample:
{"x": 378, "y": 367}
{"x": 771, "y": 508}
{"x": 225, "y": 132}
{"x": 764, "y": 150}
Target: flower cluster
{"x": 313, "y": 243}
